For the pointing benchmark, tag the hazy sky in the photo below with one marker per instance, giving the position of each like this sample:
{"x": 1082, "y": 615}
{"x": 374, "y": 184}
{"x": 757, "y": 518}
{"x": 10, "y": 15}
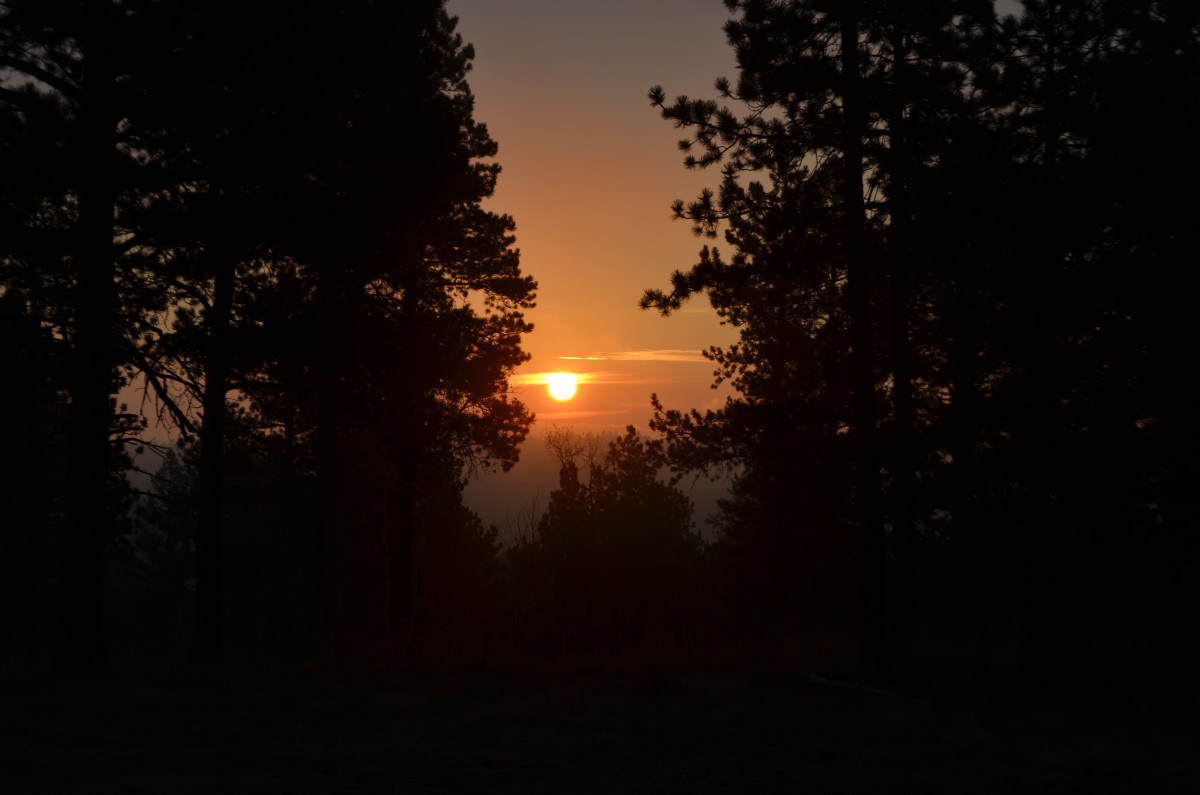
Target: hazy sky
{"x": 589, "y": 173}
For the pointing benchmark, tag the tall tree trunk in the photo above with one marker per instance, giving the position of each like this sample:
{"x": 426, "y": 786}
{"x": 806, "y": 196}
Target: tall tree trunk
{"x": 86, "y": 510}
{"x": 967, "y": 517}
{"x": 401, "y": 579}
{"x": 903, "y": 456}
{"x": 1121, "y": 495}
{"x": 409, "y": 440}
{"x": 1117, "y": 575}
{"x": 324, "y": 570}
{"x": 209, "y": 630}
{"x": 1040, "y": 428}
{"x": 866, "y": 439}
{"x": 22, "y": 574}
{"x": 324, "y": 565}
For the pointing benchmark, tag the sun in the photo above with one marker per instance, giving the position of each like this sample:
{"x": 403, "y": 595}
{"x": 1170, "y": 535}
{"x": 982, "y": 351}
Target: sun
{"x": 561, "y": 386}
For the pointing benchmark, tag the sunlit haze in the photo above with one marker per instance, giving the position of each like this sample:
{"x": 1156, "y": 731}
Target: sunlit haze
{"x": 589, "y": 173}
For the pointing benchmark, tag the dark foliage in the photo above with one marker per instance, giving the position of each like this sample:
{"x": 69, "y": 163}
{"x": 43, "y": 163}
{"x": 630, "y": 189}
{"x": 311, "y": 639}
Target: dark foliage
{"x": 613, "y": 561}
{"x": 1020, "y": 308}
{"x": 268, "y": 216}
{"x": 952, "y": 243}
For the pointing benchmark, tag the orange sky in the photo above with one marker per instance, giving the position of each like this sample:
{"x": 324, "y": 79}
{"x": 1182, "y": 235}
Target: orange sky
{"x": 589, "y": 173}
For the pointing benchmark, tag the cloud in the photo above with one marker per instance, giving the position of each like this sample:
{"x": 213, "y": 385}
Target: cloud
{"x": 613, "y": 376}
{"x": 538, "y": 379}
{"x": 524, "y": 379}
{"x": 644, "y": 356}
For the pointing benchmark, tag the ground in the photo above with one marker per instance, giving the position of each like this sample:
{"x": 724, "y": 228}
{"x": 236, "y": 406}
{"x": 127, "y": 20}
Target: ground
{"x": 580, "y": 727}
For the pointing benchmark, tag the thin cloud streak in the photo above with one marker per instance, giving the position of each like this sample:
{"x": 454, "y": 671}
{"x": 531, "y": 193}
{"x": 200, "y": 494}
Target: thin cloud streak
{"x": 644, "y": 356}
{"x": 540, "y": 379}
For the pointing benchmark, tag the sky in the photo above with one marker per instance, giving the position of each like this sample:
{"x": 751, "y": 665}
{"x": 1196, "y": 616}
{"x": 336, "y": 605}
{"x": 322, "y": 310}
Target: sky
{"x": 589, "y": 172}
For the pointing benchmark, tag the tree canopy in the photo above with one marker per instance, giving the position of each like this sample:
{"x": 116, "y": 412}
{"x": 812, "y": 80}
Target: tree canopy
{"x": 269, "y": 215}
{"x": 926, "y": 234}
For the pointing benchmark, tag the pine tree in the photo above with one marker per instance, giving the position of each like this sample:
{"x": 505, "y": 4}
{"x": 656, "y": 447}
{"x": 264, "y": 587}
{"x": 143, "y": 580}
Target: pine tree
{"x": 72, "y": 88}
{"x": 992, "y": 227}
{"x": 288, "y": 214}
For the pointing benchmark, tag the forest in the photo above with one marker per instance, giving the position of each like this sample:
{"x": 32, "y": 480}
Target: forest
{"x": 953, "y": 244}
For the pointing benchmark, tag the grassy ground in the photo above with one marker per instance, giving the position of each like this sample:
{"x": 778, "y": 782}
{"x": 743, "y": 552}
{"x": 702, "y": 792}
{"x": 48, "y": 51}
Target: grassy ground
{"x": 576, "y": 726}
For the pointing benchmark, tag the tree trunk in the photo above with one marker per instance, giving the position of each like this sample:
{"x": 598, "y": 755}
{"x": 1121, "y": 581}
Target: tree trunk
{"x": 209, "y": 632}
{"x": 1121, "y": 495}
{"x": 1116, "y": 594}
{"x": 22, "y": 567}
{"x": 903, "y": 456}
{"x": 324, "y": 567}
{"x": 1040, "y": 428}
{"x": 401, "y": 579}
{"x": 86, "y": 510}
{"x": 866, "y": 440}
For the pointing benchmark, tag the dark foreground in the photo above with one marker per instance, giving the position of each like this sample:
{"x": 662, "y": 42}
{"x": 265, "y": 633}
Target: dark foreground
{"x": 574, "y": 728}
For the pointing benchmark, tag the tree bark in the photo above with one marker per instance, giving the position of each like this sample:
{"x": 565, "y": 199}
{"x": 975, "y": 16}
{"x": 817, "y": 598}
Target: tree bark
{"x": 402, "y": 582}
{"x": 86, "y": 512}
{"x": 903, "y": 454}
{"x": 866, "y": 439}
{"x": 324, "y": 566}
{"x": 209, "y": 629}
{"x": 1040, "y": 428}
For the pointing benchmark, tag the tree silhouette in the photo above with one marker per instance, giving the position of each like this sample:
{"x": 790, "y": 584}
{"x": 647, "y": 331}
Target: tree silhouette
{"x": 408, "y": 318}
{"x": 73, "y": 92}
{"x": 930, "y": 182}
{"x": 615, "y": 546}
{"x": 807, "y": 134}
{"x": 278, "y": 243}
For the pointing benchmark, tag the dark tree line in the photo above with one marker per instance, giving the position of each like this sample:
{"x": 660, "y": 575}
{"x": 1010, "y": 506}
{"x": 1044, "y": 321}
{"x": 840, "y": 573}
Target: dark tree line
{"x": 957, "y": 258}
{"x": 266, "y": 217}
{"x": 613, "y": 561}
{"x": 955, "y": 250}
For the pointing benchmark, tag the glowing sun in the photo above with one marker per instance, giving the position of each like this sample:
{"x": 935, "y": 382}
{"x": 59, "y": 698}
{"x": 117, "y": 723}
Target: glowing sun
{"x": 561, "y": 386}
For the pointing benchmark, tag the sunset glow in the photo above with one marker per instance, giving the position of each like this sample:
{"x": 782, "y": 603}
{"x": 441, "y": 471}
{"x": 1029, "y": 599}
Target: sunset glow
{"x": 561, "y": 386}
{"x": 587, "y": 315}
